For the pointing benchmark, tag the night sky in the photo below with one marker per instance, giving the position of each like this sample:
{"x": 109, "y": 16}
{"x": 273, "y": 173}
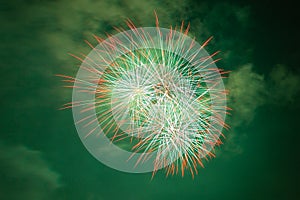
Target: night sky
{"x": 41, "y": 155}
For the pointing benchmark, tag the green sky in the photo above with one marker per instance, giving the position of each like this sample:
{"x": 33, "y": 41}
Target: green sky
{"x": 41, "y": 155}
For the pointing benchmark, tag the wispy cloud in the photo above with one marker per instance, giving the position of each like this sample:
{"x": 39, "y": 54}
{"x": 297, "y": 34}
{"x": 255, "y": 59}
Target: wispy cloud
{"x": 284, "y": 85}
{"x": 69, "y": 24}
{"x": 247, "y": 92}
{"x": 25, "y": 174}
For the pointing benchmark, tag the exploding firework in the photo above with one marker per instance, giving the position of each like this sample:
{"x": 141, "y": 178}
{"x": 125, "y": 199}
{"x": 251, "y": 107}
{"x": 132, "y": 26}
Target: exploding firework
{"x": 149, "y": 98}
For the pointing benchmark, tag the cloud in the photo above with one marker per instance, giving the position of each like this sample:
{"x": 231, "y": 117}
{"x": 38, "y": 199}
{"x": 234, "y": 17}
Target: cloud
{"x": 284, "y": 85}
{"x": 63, "y": 26}
{"x": 247, "y": 92}
{"x": 69, "y": 24}
{"x": 25, "y": 174}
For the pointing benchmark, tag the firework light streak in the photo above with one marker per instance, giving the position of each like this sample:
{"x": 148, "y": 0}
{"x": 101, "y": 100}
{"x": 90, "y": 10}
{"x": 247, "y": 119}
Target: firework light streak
{"x": 156, "y": 89}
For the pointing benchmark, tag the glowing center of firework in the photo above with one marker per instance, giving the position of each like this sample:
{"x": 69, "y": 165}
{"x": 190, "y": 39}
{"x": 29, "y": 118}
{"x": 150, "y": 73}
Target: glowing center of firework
{"x": 151, "y": 99}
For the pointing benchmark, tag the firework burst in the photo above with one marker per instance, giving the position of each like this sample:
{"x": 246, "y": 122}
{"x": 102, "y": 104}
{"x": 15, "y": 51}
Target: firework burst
{"x": 158, "y": 90}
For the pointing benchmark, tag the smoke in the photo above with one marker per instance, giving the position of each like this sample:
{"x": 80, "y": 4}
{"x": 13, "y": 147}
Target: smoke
{"x": 25, "y": 174}
{"x": 284, "y": 85}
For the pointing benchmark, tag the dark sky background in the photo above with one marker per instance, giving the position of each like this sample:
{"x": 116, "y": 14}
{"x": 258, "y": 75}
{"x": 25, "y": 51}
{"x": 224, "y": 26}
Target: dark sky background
{"x": 41, "y": 156}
